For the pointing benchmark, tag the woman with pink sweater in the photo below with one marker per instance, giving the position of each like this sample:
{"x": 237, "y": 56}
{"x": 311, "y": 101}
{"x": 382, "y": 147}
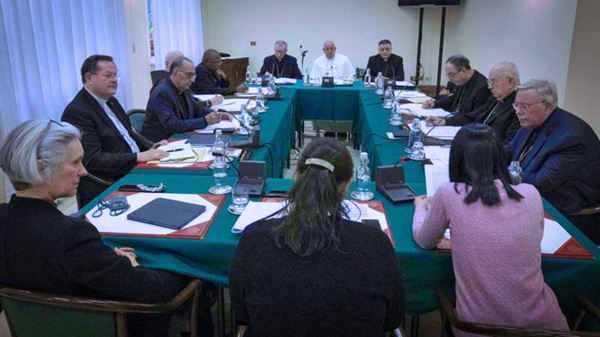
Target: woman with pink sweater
{"x": 496, "y": 230}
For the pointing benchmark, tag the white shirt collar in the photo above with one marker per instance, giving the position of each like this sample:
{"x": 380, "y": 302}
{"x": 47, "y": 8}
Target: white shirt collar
{"x": 101, "y": 101}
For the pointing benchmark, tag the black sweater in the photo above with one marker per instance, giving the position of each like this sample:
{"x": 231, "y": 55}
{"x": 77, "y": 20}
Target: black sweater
{"x": 355, "y": 290}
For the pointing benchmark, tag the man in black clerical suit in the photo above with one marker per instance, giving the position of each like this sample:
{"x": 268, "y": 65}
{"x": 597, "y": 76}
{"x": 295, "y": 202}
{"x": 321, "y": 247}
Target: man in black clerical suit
{"x": 559, "y": 154}
{"x": 210, "y": 79}
{"x": 281, "y": 64}
{"x": 111, "y": 147}
{"x": 471, "y": 89}
{"x": 388, "y": 64}
{"x": 498, "y": 111}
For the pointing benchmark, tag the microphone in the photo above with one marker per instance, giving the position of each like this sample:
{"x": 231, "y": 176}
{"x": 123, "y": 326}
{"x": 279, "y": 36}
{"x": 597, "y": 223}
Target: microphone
{"x": 433, "y": 141}
{"x": 219, "y": 154}
{"x": 401, "y": 90}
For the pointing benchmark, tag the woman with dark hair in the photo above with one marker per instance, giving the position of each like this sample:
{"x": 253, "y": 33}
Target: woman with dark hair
{"x": 496, "y": 230}
{"x": 312, "y": 272}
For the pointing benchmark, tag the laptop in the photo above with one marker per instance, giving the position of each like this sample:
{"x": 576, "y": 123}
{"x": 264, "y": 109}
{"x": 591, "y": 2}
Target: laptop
{"x": 167, "y": 213}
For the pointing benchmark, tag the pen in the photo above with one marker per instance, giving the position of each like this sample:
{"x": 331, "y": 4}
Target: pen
{"x": 175, "y": 150}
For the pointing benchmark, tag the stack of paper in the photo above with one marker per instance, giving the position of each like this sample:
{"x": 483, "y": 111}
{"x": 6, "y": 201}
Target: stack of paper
{"x": 228, "y": 125}
{"x": 435, "y": 176}
{"x": 177, "y": 151}
{"x": 231, "y": 104}
{"x": 205, "y": 97}
{"x": 438, "y": 155}
{"x": 252, "y": 91}
{"x": 405, "y": 84}
{"x": 418, "y": 110}
{"x": 441, "y": 132}
{"x": 260, "y": 210}
{"x": 285, "y": 80}
{"x": 409, "y": 94}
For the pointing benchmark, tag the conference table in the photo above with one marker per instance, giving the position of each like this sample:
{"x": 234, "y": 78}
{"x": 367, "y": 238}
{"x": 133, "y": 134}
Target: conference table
{"x": 425, "y": 270}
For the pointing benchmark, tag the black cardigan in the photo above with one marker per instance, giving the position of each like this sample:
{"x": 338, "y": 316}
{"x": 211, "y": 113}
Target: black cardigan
{"x": 355, "y": 290}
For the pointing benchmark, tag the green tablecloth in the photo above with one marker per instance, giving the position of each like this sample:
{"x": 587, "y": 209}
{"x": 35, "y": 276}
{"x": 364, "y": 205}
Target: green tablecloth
{"x": 425, "y": 270}
{"x": 276, "y": 136}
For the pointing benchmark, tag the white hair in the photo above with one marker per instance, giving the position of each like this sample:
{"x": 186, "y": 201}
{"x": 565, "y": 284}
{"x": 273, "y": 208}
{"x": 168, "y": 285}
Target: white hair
{"x": 281, "y": 43}
{"x": 545, "y": 89}
{"x": 32, "y": 140}
{"x": 508, "y": 69}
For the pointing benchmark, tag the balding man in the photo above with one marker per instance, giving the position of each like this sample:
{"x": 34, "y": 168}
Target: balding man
{"x": 171, "y": 107}
{"x": 210, "y": 78}
{"x": 336, "y": 65}
{"x": 498, "y": 111}
{"x": 281, "y": 64}
{"x": 559, "y": 154}
{"x": 159, "y": 75}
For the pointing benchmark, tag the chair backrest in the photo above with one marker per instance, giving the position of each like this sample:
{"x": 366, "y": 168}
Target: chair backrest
{"x": 30, "y": 319}
{"x": 158, "y": 75}
{"x": 136, "y": 117}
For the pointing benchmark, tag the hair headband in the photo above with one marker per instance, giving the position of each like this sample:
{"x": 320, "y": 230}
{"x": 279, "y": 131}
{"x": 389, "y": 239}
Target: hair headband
{"x": 320, "y": 162}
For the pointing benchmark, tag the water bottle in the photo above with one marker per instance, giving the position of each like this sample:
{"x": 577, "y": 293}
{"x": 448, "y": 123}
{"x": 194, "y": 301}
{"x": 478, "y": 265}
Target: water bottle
{"x": 388, "y": 98}
{"x": 380, "y": 84}
{"x": 272, "y": 88}
{"x": 367, "y": 82}
{"x": 245, "y": 119}
{"x": 514, "y": 171}
{"x": 414, "y": 135}
{"x": 248, "y": 76}
{"x": 260, "y": 102}
{"x": 363, "y": 178}
{"x": 396, "y": 114}
{"x": 219, "y": 165}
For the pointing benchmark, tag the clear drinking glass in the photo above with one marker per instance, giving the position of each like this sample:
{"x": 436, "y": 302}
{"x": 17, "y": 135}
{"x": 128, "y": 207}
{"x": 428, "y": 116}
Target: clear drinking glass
{"x": 240, "y": 198}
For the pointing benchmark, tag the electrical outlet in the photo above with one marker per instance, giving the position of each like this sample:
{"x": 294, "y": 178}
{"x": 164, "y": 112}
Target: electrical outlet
{"x": 253, "y": 43}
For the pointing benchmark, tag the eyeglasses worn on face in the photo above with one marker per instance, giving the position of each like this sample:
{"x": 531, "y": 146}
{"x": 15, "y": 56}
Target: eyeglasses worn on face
{"x": 450, "y": 75}
{"x": 525, "y": 107}
{"x": 494, "y": 82}
{"x": 189, "y": 75}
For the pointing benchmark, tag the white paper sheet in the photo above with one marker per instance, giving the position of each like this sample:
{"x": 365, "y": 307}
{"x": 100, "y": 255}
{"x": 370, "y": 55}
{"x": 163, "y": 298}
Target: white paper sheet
{"x": 435, "y": 176}
{"x": 285, "y": 80}
{"x": 205, "y": 97}
{"x": 119, "y": 224}
{"x": 418, "y": 110}
{"x": 254, "y": 90}
{"x": 232, "y": 104}
{"x": 439, "y": 155}
{"x": 405, "y": 84}
{"x": 408, "y": 94}
{"x": 441, "y": 132}
{"x": 177, "y": 150}
{"x": 554, "y": 236}
{"x": 260, "y": 210}
{"x": 234, "y": 123}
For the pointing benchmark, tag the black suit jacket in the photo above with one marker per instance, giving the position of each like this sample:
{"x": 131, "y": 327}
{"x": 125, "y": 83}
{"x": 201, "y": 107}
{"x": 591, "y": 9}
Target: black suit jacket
{"x": 207, "y": 82}
{"x": 166, "y": 115}
{"x": 393, "y": 68}
{"x": 563, "y": 163}
{"x": 288, "y": 68}
{"x": 504, "y": 119}
{"x": 467, "y": 97}
{"x": 106, "y": 153}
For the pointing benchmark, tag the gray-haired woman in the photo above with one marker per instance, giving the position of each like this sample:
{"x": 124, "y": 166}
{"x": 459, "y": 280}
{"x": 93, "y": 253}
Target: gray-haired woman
{"x": 42, "y": 249}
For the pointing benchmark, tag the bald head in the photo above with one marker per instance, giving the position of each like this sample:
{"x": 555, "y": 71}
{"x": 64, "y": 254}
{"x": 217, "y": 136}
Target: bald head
{"x": 172, "y": 56}
{"x": 329, "y": 49}
{"x": 503, "y": 79}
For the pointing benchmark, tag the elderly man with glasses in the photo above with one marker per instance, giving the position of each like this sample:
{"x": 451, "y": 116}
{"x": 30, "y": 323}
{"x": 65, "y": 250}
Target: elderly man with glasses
{"x": 498, "y": 111}
{"x": 469, "y": 89}
{"x": 111, "y": 146}
{"x": 211, "y": 79}
{"x": 558, "y": 153}
{"x": 171, "y": 107}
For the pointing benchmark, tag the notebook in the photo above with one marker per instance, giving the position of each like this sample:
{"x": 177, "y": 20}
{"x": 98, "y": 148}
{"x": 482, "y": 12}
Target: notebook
{"x": 167, "y": 213}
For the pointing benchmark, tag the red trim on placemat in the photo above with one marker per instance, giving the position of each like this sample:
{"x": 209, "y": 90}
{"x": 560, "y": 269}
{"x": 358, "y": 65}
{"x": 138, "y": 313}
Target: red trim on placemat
{"x": 571, "y": 249}
{"x": 195, "y": 232}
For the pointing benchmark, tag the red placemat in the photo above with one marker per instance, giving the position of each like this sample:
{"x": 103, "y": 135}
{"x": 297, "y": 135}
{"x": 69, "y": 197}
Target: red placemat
{"x": 196, "y": 232}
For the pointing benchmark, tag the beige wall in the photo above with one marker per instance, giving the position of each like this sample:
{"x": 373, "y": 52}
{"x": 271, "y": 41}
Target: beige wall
{"x": 138, "y": 41}
{"x": 583, "y": 82}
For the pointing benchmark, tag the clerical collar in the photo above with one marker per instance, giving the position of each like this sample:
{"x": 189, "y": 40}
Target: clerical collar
{"x": 100, "y": 100}
{"x": 179, "y": 92}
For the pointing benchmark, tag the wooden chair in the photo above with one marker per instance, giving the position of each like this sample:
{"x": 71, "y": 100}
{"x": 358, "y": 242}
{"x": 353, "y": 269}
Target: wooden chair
{"x": 136, "y": 117}
{"x": 241, "y": 331}
{"x": 32, "y": 313}
{"x": 448, "y": 312}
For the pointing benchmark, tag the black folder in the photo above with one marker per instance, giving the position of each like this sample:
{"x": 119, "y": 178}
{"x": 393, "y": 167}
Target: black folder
{"x": 167, "y": 213}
